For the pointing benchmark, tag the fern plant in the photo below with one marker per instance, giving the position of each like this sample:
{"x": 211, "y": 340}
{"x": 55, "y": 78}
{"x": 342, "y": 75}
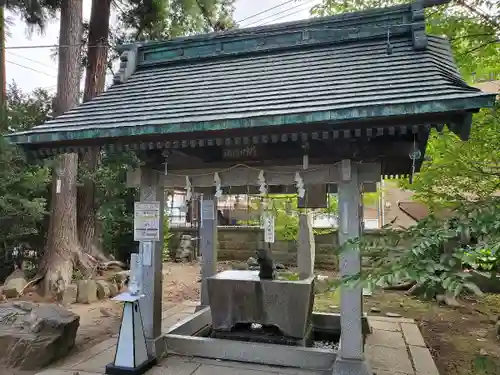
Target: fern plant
{"x": 432, "y": 253}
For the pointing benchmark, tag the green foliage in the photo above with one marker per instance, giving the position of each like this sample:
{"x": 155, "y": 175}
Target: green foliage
{"x": 22, "y": 188}
{"x": 285, "y": 210}
{"x": 35, "y": 12}
{"x": 23, "y": 185}
{"x": 26, "y": 110}
{"x": 471, "y": 26}
{"x": 116, "y": 204}
{"x": 460, "y": 170}
{"x": 433, "y": 252}
{"x": 167, "y": 235}
{"x": 484, "y": 259}
{"x": 165, "y": 19}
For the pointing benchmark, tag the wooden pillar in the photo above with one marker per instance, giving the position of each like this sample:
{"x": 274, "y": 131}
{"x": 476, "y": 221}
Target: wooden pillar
{"x": 152, "y": 275}
{"x": 351, "y": 359}
{"x": 208, "y": 243}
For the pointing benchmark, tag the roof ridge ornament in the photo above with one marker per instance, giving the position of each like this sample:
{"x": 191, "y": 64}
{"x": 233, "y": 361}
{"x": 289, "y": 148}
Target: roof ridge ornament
{"x": 418, "y": 25}
{"x": 128, "y": 64}
{"x": 418, "y": 21}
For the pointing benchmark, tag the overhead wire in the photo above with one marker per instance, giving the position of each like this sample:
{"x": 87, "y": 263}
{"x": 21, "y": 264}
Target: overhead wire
{"x": 255, "y": 23}
{"x": 29, "y": 68}
{"x": 30, "y": 59}
{"x": 266, "y": 10}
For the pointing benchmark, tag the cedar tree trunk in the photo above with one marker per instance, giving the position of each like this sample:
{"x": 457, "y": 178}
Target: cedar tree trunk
{"x": 63, "y": 250}
{"x": 95, "y": 77}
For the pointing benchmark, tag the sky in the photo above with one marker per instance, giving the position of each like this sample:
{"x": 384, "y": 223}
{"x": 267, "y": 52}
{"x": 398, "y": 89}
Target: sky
{"x": 36, "y": 67}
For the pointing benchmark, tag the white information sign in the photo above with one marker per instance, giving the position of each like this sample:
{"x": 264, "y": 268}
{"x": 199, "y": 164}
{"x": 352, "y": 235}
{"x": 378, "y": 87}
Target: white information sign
{"x": 147, "y": 221}
{"x": 207, "y": 210}
{"x": 269, "y": 221}
{"x": 147, "y": 253}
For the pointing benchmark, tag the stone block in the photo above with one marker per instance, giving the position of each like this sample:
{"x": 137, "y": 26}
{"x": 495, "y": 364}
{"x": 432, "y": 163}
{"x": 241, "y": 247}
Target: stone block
{"x": 424, "y": 363}
{"x": 113, "y": 289}
{"x": 390, "y": 339}
{"x": 102, "y": 288}
{"x": 34, "y": 335}
{"x": 242, "y": 297}
{"x": 14, "y": 284}
{"x": 412, "y": 334}
{"x": 87, "y": 291}
{"x": 390, "y": 359}
{"x": 70, "y": 294}
{"x": 384, "y": 326}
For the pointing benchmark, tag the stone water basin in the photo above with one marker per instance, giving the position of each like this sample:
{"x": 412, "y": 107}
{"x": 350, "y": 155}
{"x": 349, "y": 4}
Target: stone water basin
{"x": 241, "y": 297}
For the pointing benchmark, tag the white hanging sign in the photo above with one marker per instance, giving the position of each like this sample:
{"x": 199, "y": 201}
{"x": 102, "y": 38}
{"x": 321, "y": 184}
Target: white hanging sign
{"x": 147, "y": 253}
{"x": 147, "y": 221}
{"x": 269, "y": 222}
{"x": 207, "y": 210}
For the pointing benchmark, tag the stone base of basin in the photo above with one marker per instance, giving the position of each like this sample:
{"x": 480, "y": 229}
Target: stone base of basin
{"x": 242, "y": 297}
{"x": 263, "y": 335}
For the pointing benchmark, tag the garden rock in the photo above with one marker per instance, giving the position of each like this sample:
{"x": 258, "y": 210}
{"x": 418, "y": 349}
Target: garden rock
{"x": 14, "y": 284}
{"x": 35, "y": 335}
{"x": 392, "y": 315}
{"x": 70, "y": 294}
{"x": 102, "y": 289}
{"x": 185, "y": 250}
{"x": 239, "y": 266}
{"x": 113, "y": 289}
{"x": 252, "y": 263}
{"x": 321, "y": 284}
{"x": 87, "y": 291}
{"x": 497, "y": 329}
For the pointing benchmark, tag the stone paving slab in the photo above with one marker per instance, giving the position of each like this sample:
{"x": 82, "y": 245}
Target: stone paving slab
{"x": 389, "y": 359}
{"x": 386, "y": 348}
{"x": 412, "y": 335}
{"x": 240, "y": 365}
{"x": 424, "y": 363}
{"x": 384, "y": 325}
{"x": 390, "y": 320}
{"x": 65, "y": 372}
{"x": 386, "y": 338}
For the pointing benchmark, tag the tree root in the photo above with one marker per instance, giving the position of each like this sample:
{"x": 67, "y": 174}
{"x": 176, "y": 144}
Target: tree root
{"x": 404, "y": 286}
{"x": 448, "y": 299}
{"x": 31, "y": 283}
{"x": 412, "y": 290}
{"x": 85, "y": 263}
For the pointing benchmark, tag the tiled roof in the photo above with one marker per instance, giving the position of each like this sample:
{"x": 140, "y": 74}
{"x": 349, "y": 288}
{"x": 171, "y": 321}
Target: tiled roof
{"x": 335, "y": 75}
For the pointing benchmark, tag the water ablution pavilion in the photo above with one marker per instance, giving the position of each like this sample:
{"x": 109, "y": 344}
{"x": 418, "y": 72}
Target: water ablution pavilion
{"x": 319, "y": 105}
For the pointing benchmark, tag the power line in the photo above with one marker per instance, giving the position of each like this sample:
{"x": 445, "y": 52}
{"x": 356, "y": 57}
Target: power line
{"x": 266, "y": 10}
{"x": 32, "y": 69}
{"x": 115, "y": 3}
{"x": 32, "y": 60}
{"x": 39, "y": 46}
{"x": 277, "y": 14}
{"x": 283, "y": 16}
{"x": 246, "y": 26}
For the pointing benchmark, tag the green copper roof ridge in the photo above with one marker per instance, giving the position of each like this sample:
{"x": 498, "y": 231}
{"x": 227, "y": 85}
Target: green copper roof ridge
{"x": 406, "y": 19}
{"x": 248, "y": 31}
{"x": 338, "y": 115}
{"x": 283, "y": 25}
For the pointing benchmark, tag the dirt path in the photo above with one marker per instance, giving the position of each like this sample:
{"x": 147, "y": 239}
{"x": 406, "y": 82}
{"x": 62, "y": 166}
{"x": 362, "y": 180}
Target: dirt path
{"x": 101, "y": 320}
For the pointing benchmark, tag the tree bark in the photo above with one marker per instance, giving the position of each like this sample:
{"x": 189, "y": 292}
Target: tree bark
{"x": 63, "y": 251}
{"x": 95, "y": 78}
